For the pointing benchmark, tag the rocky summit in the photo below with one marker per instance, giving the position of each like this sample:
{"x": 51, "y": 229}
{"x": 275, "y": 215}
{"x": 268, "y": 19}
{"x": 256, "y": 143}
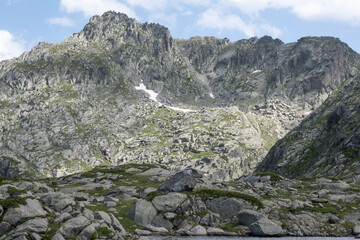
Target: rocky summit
{"x": 122, "y": 131}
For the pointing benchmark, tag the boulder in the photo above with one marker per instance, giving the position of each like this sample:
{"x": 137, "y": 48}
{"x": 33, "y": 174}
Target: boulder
{"x": 101, "y": 215}
{"x": 248, "y": 217}
{"x": 32, "y": 209}
{"x": 58, "y": 236}
{"x": 116, "y": 224}
{"x": 156, "y": 229}
{"x": 4, "y": 227}
{"x": 80, "y": 196}
{"x": 265, "y": 227}
{"x": 199, "y": 230}
{"x": 142, "y": 232}
{"x": 37, "y": 225}
{"x": 212, "y": 231}
{"x": 169, "y": 202}
{"x": 160, "y": 221}
{"x": 57, "y": 200}
{"x": 62, "y": 217}
{"x": 89, "y": 231}
{"x": 227, "y": 207}
{"x": 356, "y": 230}
{"x": 182, "y": 181}
{"x": 74, "y": 226}
{"x": 184, "y": 232}
{"x": 143, "y": 212}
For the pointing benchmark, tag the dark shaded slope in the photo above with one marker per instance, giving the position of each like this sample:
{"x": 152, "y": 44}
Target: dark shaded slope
{"x": 327, "y": 143}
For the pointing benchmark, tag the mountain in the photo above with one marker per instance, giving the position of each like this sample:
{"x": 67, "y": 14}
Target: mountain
{"x": 69, "y": 106}
{"x": 327, "y": 142}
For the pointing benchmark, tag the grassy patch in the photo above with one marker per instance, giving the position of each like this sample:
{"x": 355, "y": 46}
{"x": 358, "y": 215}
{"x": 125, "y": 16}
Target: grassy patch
{"x": 14, "y": 192}
{"x": 104, "y": 231}
{"x": 348, "y": 225}
{"x": 201, "y": 213}
{"x": 152, "y": 195}
{"x": 325, "y": 209}
{"x": 221, "y": 193}
{"x": 230, "y": 227}
{"x": 12, "y": 202}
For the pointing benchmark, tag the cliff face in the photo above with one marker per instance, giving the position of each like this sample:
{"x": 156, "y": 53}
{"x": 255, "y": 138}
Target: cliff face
{"x": 68, "y": 106}
{"x": 327, "y": 142}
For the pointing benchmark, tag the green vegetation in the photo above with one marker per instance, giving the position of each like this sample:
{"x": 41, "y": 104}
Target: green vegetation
{"x": 152, "y": 195}
{"x": 326, "y": 209}
{"x": 14, "y": 192}
{"x": 12, "y": 202}
{"x": 51, "y": 230}
{"x": 104, "y": 231}
{"x": 230, "y": 227}
{"x": 221, "y": 193}
{"x": 201, "y": 213}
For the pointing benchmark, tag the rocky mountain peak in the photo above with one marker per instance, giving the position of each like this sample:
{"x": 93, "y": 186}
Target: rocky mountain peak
{"x": 78, "y": 103}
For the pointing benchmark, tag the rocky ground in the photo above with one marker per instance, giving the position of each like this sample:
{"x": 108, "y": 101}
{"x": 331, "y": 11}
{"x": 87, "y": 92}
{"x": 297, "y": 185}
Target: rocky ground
{"x": 132, "y": 200}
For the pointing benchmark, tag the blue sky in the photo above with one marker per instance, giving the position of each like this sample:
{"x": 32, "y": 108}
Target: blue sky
{"x": 23, "y": 23}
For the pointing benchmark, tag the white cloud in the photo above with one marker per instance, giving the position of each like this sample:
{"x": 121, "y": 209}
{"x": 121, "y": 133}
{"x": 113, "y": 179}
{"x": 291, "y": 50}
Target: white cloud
{"x": 63, "y": 21}
{"x": 317, "y": 10}
{"x": 10, "y": 46}
{"x": 95, "y": 7}
{"x": 149, "y": 5}
{"x": 216, "y": 19}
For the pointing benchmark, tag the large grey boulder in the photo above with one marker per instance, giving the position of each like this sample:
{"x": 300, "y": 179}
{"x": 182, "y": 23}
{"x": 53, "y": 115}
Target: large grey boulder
{"x": 169, "y": 202}
{"x": 32, "y": 209}
{"x": 199, "y": 230}
{"x": 227, "y": 207}
{"x": 38, "y": 225}
{"x": 74, "y": 226}
{"x": 57, "y": 200}
{"x": 265, "y": 227}
{"x": 143, "y": 212}
{"x": 160, "y": 221}
{"x": 248, "y": 217}
{"x": 182, "y": 181}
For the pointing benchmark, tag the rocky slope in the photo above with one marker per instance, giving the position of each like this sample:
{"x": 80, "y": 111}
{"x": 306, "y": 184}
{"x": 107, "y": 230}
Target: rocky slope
{"x": 132, "y": 200}
{"x": 68, "y": 106}
{"x": 327, "y": 142}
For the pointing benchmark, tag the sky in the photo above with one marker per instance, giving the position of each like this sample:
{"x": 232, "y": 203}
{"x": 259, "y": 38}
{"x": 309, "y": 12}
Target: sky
{"x": 25, "y": 23}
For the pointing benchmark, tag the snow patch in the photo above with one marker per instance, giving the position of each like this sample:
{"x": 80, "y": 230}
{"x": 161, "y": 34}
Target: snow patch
{"x": 153, "y": 95}
{"x": 256, "y": 71}
{"x": 180, "y": 109}
{"x": 212, "y": 95}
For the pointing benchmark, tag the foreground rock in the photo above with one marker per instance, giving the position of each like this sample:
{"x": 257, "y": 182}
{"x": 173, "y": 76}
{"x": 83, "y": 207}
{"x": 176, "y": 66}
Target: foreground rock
{"x": 260, "y": 205}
